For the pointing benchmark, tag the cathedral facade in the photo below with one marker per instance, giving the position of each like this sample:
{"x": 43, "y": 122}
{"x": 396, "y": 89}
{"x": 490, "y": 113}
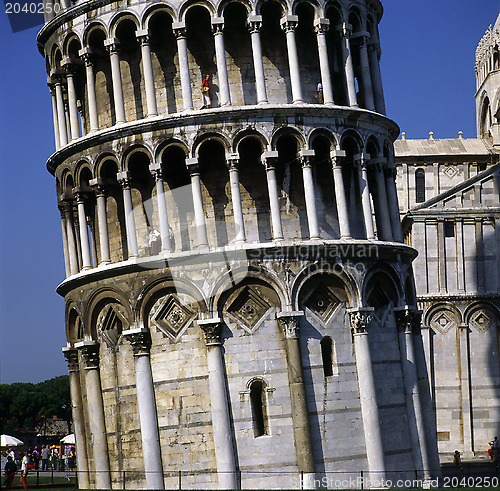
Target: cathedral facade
{"x": 449, "y": 197}
{"x": 240, "y": 304}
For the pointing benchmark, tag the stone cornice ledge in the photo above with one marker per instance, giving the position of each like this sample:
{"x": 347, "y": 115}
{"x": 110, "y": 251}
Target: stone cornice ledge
{"x": 213, "y": 116}
{"x": 268, "y": 251}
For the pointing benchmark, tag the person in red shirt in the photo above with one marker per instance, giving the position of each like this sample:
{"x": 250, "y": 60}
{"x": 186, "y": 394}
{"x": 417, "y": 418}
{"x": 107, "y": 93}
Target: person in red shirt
{"x": 205, "y": 92}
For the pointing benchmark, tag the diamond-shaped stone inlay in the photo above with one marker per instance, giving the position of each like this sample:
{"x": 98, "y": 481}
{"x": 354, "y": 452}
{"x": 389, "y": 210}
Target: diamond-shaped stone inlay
{"x": 249, "y": 308}
{"x": 323, "y": 302}
{"x": 481, "y": 321}
{"x": 171, "y": 317}
{"x": 443, "y": 321}
{"x": 451, "y": 171}
{"x": 110, "y": 324}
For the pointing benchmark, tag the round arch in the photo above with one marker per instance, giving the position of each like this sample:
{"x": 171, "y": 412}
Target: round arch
{"x": 156, "y": 8}
{"x": 91, "y": 28}
{"x": 246, "y": 273}
{"x": 121, "y": 16}
{"x": 185, "y": 7}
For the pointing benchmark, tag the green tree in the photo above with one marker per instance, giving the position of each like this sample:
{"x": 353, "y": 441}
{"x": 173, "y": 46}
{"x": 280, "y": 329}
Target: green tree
{"x": 26, "y": 405}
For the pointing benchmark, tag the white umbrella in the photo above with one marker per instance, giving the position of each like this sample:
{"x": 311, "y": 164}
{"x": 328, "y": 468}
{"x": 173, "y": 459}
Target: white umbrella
{"x": 69, "y": 439}
{"x": 9, "y": 441}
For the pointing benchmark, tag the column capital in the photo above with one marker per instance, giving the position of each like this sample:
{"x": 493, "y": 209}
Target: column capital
{"x": 157, "y": 171}
{"x": 268, "y": 158}
{"x": 361, "y": 319}
{"x": 378, "y": 163}
{"x": 69, "y": 66}
{"x": 98, "y": 185}
{"x": 408, "y": 319}
{"x": 336, "y": 156}
{"x": 345, "y": 29}
{"x": 124, "y": 179}
{"x": 212, "y": 328}
{"x": 305, "y": 157}
{"x": 254, "y": 23}
{"x": 289, "y": 322}
{"x": 143, "y": 35}
{"x": 289, "y": 22}
{"x": 179, "y": 29}
{"x": 71, "y": 356}
{"x": 140, "y": 339}
{"x": 321, "y": 25}
{"x": 361, "y": 159}
{"x": 193, "y": 166}
{"x": 232, "y": 160}
{"x": 217, "y": 25}
{"x": 80, "y": 194}
{"x": 112, "y": 45}
{"x": 90, "y": 352}
{"x": 87, "y": 54}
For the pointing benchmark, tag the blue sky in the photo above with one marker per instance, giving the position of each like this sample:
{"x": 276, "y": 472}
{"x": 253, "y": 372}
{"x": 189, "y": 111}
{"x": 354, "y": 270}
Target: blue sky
{"x": 427, "y": 65}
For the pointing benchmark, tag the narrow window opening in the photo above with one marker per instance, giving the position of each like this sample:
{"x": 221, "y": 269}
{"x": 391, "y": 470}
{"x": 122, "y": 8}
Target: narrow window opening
{"x": 449, "y": 228}
{"x": 328, "y": 355}
{"x": 420, "y": 185}
{"x": 259, "y": 410}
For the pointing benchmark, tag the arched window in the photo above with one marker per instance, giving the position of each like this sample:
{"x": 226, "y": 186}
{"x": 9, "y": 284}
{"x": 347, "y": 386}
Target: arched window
{"x": 259, "y": 408}
{"x": 420, "y": 185}
{"x": 327, "y": 354}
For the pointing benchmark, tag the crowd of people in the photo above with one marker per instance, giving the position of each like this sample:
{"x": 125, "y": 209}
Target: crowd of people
{"x": 42, "y": 458}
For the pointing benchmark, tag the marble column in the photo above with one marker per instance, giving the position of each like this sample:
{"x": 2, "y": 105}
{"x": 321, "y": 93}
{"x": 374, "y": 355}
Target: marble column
{"x": 254, "y": 25}
{"x": 220, "y": 56}
{"x": 405, "y": 322}
{"x": 232, "y": 161}
{"x": 82, "y": 462}
{"x": 289, "y": 24}
{"x": 98, "y": 440}
{"x": 179, "y": 29}
{"x": 86, "y": 54}
{"x": 465, "y": 391}
{"x": 392, "y": 200}
{"x": 124, "y": 180}
{"x": 289, "y": 323}
{"x": 383, "y": 219}
{"x": 306, "y": 157}
{"x": 360, "y": 161}
{"x": 340, "y": 197}
{"x": 140, "y": 339}
{"x": 348, "y": 67}
{"x": 70, "y": 234}
{"x": 52, "y": 89}
{"x": 360, "y": 321}
{"x": 268, "y": 159}
{"x": 219, "y": 403}
{"x": 376, "y": 77}
{"x": 321, "y": 27}
{"x": 82, "y": 223}
{"x": 199, "y": 211}
{"x": 149, "y": 81}
{"x": 112, "y": 45}
{"x": 102, "y": 220}
{"x": 366, "y": 75}
{"x": 67, "y": 266}
{"x": 157, "y": 172}
{"x": 61, "y": 116}
{"x": 73, "y": 109}
{"x": 422, "y": 356}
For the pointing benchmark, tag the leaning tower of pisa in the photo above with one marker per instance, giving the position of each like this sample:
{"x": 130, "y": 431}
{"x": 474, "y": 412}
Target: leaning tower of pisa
{"x": 239, "y": 304}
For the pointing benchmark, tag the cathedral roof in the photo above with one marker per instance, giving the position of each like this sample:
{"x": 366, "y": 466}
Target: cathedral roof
{"x": 440, "y": 147}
